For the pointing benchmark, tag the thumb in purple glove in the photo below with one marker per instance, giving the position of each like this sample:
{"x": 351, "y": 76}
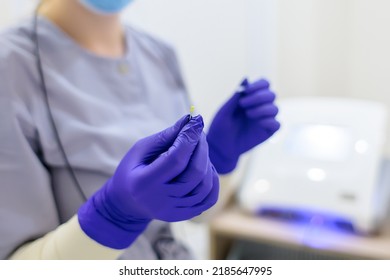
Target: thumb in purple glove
{"x": 246, "y": 120}
{"x": 167, "y": 176}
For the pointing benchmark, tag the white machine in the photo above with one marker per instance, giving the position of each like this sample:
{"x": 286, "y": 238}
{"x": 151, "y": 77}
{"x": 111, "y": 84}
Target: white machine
{"x": 324, "y": 162}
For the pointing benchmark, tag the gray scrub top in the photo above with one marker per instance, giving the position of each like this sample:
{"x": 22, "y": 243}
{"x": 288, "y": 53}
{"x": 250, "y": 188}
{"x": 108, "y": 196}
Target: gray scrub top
{"x": 101, "y": 107}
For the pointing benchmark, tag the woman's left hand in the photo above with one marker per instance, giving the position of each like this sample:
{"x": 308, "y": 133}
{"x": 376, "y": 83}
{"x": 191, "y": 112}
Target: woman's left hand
{"x": 246, "y": 120}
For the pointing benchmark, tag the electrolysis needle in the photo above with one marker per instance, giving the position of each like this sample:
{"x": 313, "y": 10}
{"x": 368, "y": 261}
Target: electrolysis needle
{"x": 192, "y": 111}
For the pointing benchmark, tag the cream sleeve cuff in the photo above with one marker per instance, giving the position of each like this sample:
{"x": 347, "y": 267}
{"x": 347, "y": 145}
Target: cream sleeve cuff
{"x": 67, "y": 242}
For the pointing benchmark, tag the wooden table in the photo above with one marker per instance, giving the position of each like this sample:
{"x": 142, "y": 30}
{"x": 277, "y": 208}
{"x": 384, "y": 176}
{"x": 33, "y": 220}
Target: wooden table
{"x": 233, "y": 225}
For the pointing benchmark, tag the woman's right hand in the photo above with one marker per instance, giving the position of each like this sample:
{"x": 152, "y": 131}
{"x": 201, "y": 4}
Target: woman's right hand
{"x": 167, "y": 176}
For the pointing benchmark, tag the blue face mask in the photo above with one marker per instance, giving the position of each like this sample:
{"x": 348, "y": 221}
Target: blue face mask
{"x": 106, "y": 7}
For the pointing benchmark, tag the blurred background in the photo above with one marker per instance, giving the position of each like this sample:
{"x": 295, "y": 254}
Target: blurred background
{"x": 332, "y": 48}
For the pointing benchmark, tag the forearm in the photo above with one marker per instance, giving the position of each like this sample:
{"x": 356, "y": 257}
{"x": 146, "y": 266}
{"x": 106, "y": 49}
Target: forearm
{"x": 67, "y": 242}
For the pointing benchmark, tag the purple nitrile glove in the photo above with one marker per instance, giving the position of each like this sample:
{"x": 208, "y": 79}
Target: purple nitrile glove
{"x": 243, "y": 122}
{"x": 167, "y": 176}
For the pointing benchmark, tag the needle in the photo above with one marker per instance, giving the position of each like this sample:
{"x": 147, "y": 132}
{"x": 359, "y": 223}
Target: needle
{"x": 192, "y": 111}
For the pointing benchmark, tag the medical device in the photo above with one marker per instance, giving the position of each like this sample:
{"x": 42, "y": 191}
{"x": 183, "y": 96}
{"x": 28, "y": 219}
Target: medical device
{"x": 323, "y": 164}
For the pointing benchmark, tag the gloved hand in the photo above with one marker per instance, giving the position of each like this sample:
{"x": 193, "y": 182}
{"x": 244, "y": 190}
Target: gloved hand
{"x": 245, "y": 121}
{"x": 167, "y": 176}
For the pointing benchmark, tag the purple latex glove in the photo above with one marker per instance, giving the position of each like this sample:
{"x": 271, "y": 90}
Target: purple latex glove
{"x": 245, "y": 121}
{"x": 167, "y": 176}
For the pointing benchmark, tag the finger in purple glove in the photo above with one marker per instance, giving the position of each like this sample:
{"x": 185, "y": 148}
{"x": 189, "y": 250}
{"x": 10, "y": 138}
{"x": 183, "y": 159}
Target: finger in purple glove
{"x": 146, "y": 185}
{"x": 262, "y": 111}
{"x": 257, "y": 98}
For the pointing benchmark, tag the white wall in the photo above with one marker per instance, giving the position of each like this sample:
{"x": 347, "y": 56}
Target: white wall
{"x": 312, "y": 47}
{"x": 334, "y": 48}
{"x": 369, "y": 56}
{"x": 262, "y": 38}
{"x": 12, "y": 10}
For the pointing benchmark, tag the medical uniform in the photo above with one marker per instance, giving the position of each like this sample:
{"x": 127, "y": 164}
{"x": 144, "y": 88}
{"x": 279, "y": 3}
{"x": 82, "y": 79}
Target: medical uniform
{"x": 101, "y": 107}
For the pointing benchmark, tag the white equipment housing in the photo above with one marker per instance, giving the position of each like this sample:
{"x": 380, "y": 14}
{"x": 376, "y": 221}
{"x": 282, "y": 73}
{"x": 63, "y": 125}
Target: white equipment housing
{"x": 325, "y": 160}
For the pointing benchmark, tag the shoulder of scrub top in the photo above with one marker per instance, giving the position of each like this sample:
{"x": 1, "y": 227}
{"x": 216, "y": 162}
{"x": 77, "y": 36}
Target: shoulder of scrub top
{"x": 17, "y": 38}
{"x": 18, "y": 75}
{"x": 16, "y": 53}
